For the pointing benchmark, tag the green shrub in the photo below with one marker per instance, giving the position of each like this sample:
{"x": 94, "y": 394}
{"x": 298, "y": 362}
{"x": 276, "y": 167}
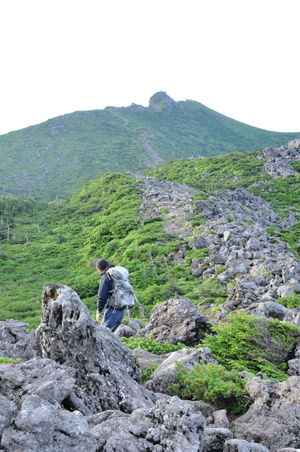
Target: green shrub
{"x": 4, "y": 360}
{"x": 250, "y": 343}
{"x": 146, "y": 374}
{"x": 213, "y": 384}
{"x": 290, "y": 302}
{"x": 147, "y": 343}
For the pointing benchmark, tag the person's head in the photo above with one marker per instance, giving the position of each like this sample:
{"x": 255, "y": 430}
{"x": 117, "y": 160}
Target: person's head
{"x": 101, "y": 265}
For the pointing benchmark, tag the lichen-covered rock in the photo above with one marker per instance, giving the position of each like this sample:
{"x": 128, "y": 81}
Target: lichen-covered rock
{"x": 43, "y": 427}
{"x": 47, "y": 379}
{"x": 274, "y": 418}
{"x": 15, "y": 341}
{"x": 177, "y": 320}
{"x": 171, "y": 425}
{"x": 104, "y": 368}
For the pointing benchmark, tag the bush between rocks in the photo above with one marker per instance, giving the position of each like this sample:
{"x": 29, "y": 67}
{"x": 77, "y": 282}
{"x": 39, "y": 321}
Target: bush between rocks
{"x": 150, "y": 345}
{"x": 254, "y": 344}
{"x": 213, "y": 384}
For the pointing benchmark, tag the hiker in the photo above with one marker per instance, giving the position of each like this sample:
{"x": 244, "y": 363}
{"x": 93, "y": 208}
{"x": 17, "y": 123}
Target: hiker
{"x": 113, "y": 316}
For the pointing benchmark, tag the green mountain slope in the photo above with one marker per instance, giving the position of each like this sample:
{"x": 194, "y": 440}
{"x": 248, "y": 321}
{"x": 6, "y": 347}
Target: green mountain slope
{"x": 55, "y": 158}
{"x": 44, "y": 243}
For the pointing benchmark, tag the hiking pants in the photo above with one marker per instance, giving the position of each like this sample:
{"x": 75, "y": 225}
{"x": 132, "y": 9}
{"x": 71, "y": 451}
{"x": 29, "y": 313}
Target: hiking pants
{"x": 113, "y": 318}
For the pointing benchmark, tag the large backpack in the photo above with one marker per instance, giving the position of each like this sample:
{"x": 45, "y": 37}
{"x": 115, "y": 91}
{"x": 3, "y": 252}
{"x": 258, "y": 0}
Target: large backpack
{"x": 122, "y": 295}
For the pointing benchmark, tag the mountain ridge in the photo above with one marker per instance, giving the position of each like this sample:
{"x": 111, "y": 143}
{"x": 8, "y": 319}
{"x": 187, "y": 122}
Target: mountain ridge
{"x": 56, "y": 157}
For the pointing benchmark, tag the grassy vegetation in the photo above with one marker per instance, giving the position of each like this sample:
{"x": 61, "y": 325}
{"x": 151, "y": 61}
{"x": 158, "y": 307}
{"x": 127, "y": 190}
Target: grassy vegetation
{"x": 58, "y": 156}
{"x": 254, "y": 344}
{"x": 57, "y": 243}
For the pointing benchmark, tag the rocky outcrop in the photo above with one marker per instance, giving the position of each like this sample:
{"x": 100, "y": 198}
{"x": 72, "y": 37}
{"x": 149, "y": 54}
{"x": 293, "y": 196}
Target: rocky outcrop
{"x": 171, "y": 425}
{"x": 274, "y": 418}
{"x": 41, "y": 426}
{"x": 105, "y": 368}
{"x": 15, "y": 341}
{"x": 177, "y": 320}
{"x": 278, "y": 160}
{"x": 169, "y": 200}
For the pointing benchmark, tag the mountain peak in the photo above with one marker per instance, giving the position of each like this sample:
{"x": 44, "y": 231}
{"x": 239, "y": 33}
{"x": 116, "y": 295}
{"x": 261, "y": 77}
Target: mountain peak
{"x": 160, "y": 101}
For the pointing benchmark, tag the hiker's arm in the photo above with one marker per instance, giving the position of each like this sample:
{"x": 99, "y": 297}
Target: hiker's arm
{"x": 102, "y": 296}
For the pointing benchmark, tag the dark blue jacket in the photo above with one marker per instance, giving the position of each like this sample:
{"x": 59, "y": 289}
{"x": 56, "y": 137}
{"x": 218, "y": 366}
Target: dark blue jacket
{"x": 104, "y": 292}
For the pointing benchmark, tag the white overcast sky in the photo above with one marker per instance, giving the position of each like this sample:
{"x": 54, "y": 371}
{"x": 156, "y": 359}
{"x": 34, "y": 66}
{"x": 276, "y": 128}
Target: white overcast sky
{"x": 238, "y": 57}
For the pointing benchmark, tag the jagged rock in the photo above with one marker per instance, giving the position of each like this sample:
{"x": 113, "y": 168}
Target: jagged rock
{"x": 273, "y": 310}
{"x": 171, "y": 425}
{"x": 220, "y": 419}
{"x": 239, "y": 445}
{"x": 105, "y": 368}
{"x": 274, "y": 418}
{"x": 47, "y": 379}
{"x": 15, "y": 341}
{"x": 215, "y": 439}
{"x": 165, "y": 374}
{"x": 41, "y": 427}
{"x": 146, "y": 359}
{"x": 8, "y": 411}
{"x": 177, "y": 320}
{"x": 285, "y": 291}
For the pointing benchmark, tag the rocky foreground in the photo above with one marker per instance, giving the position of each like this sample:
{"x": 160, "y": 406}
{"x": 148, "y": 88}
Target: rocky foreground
{"x": 77, "y": 389}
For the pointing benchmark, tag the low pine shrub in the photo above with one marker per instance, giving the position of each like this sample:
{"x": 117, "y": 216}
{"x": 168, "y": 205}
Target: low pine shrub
{"x": 4, "y": 360}
{"x": 147, "y": 343}
{"x": 213, "y": 384}
{"x": 146, "y": 374}
{"x": 249, "y": 343}
{"x": 290, "y": 302}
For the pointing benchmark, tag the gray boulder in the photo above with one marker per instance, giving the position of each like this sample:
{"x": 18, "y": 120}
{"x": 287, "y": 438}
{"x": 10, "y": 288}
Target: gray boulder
{"x": 177, "y": 320}
{"x": 274, "y": 310}
{"x": 165, "y": 374}
{"x": 274, "y": 418}
{"x": 124, "y": 331}
{"x": 145, "y": 359}
{"x": 15, "y": 341}
{"x": 285, "y": 291}
{"x": 105, "y": 370}
{"x": 43, "y": 427}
